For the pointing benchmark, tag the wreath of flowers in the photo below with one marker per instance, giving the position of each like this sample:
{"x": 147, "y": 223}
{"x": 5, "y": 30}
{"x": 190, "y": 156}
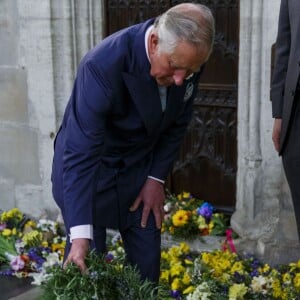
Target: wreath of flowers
{"x": 27, "y": 247}
{"x": 189, "y": 217}
{"x": 35, "y": 249}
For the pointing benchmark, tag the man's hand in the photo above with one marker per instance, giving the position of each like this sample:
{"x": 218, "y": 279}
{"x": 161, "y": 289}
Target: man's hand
{"x": 78, "y": 253}
{"x": 153, "y": 196}
{"x": 276, "y": 133}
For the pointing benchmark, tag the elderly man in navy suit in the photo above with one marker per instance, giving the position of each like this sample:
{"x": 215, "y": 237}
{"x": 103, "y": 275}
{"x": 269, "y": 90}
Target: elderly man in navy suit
{"x": 129, "y": 109}
{"x": 285, "y": 96}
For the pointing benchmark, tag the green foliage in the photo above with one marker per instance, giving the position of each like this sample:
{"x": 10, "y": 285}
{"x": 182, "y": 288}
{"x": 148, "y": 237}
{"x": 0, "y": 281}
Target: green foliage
{"x": 103, "y": 280}
{"x": 6, "y": 246}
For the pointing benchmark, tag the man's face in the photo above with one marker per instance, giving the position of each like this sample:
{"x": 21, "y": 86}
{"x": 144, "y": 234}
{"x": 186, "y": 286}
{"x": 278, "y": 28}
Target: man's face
{"x": 168, "y": 69}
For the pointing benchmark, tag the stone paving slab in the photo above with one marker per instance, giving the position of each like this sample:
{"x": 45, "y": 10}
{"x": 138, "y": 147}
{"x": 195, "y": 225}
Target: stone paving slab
{"x": 32, "y": 294}
{"x": 11, "y": 287}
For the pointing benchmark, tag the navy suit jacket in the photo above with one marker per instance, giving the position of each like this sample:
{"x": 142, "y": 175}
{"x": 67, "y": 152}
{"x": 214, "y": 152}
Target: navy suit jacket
{"x": 287, "y": 65}
{"x": 114, "y": 132}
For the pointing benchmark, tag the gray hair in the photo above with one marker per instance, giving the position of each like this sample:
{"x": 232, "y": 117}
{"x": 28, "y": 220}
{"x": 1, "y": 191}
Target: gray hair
{"x": 188, "y": 22}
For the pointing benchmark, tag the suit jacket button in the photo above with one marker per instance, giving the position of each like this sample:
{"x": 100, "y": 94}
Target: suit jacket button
{"x": 292, "y": 93}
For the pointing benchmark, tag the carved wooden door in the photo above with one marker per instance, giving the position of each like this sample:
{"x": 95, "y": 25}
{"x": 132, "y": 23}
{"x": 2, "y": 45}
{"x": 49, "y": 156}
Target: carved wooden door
{"x": 207, "y": 163}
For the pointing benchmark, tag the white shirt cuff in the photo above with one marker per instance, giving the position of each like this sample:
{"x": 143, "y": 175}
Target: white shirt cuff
{"x": 81, "y": 232}
{"x": 159, "y": 180}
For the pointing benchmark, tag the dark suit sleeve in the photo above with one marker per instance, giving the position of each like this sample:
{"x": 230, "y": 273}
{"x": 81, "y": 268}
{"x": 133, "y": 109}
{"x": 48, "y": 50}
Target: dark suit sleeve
{"x": 283, "y": 44}
{"x": 84, "y": 134}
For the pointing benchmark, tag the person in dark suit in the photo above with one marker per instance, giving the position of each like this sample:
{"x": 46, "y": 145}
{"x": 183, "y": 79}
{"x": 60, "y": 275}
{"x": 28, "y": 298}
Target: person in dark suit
{"x": 285, "y": 96}
{"x": 127, "y": 114}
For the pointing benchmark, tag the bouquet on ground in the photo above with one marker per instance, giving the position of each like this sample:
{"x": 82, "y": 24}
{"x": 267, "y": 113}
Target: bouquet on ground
{"x": 189, "y": 217}
{"x": 27, "y": 246}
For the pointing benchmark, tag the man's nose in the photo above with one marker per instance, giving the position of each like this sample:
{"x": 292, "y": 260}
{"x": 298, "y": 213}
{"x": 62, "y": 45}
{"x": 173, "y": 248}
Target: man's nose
{"x": 179, "y": 76}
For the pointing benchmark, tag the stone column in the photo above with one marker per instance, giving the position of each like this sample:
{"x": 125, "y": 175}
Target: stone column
{"x": 264, "y": 217}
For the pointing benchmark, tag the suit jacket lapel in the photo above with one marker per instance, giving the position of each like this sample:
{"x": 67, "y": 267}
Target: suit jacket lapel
{"x": 141, "y": 86}
{"x": 144, "y": 93}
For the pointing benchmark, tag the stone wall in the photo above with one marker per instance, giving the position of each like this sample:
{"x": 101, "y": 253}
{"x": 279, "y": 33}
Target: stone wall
{"x": 41, "y": 45}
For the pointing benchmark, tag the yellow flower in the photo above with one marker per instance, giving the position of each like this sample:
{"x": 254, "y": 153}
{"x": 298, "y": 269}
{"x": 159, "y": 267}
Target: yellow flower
{"x": 295, "y": 265}
{"x": 180, "y": 218}
{"x": 164, "y": 276}
{"x": 185, "y": 248}
{"x": 186, "y": 279}
{"x": 201, "y": 222}
{"x": 237, "y": 267}
{"x": 265, "y": 269}
{"x": 175, "y": 285}
{"x": 46, "y": 244}
{"x": 171, "y": 229}
{"x": 58, "y": 246}
{"x": 29, "y": 225}
{"x": 286, "y": 278}
{"x": 237, "y": 291}
{"x": 176, "y": 270}
{"x": 6, "y": 232}
{"x": 164, "y": 255}
{"x": 183, "y": 195}
{"x": 33, "y": 238}
{"x": 13, "y": 214}
{"x": 186, "y": 195}
{"x": 296, "y": 281}
{"x": 276, "y": 288}
{"x": 188, "y": 290}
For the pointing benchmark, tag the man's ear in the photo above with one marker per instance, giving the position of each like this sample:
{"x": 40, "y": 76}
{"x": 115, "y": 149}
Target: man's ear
{"x": 153, "y": 42}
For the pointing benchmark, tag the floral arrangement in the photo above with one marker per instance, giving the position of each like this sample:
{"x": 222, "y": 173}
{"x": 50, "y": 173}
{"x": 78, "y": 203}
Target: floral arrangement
{"x": 225, "y": 275}
{"x": 35, "y": 249}
{"x": 28, "y": 247}
{"x": 188, "y": 217}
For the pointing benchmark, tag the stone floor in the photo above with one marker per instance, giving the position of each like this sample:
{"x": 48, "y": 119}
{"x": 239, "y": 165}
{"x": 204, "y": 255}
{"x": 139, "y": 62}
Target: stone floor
{"x": 12, "y": 288}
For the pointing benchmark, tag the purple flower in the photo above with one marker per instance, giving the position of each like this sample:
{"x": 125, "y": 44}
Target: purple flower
{"x": 7, "y": 272}
{"x": 175, "y": 294}
{"x": 17, "y": 263}
{"x": 2, "y": 226}
{"x": 205, "y": 210}
{"x": 109, "y": 257}
{"x": 254, "y": 273}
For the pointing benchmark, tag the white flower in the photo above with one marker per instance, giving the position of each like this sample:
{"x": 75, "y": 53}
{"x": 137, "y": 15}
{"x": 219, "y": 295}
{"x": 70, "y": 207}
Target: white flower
{"x": 47, "y": 225}
{"x": 202, "y": 292}
{"x": 167, "y": 207}
{"x": 117, "y": 238}
{"x": 39, "y": 278}
{"x": 259, "y": 284}
{"x": 51, "y": 260}
{"x": 19, "y": 245}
